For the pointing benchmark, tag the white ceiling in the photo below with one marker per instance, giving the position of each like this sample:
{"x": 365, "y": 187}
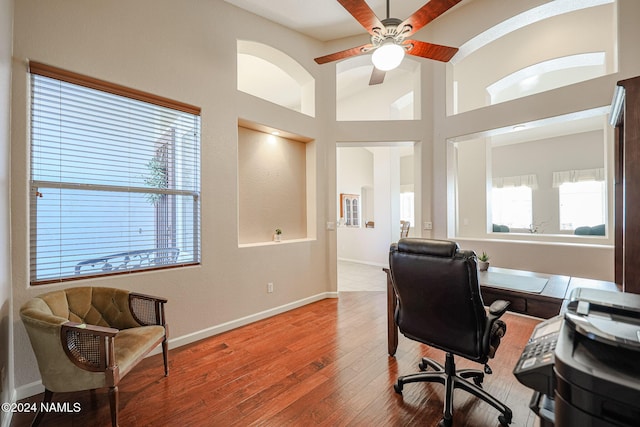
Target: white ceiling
{"x": 324, "y": 19}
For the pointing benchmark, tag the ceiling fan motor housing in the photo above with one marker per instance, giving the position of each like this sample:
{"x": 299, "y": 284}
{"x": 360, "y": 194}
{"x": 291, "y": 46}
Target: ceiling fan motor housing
{"x": 390, "y": 31}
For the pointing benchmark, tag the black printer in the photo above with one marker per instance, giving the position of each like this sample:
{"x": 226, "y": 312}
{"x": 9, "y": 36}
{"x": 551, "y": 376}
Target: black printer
{"x": 584, "y": 364}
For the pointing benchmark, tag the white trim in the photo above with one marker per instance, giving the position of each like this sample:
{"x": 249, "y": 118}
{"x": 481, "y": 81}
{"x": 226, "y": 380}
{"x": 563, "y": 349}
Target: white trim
{"x": 359, "y": 261}
{"x": 36, "y": 387}
{"x": 28, "y": 390}
{"x": 280, "y": 242}
{"x": 9, "y": 415}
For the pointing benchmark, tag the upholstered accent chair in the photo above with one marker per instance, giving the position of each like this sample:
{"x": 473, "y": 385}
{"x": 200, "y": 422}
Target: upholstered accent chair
{"x": 440, "y": 305}
{"x": 87, "y": 338}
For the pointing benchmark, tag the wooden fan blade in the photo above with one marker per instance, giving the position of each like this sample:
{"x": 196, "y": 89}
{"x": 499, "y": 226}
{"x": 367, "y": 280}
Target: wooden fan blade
{"x": 431, "y": 51}
{"x": 377, "y": 77}
{"x": 427, "y": 13}
{"x": 360, "y": 10}
{"x": 354, "y": 51}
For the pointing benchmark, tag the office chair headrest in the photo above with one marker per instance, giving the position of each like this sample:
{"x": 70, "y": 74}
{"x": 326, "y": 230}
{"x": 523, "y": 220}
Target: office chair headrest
{"x": 439, "y": 248}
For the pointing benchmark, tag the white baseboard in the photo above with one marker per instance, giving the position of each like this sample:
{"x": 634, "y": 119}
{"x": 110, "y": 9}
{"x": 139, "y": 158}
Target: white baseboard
{"x": 29, "y": 390}
{"x": 6, "y": 421}
{"x": 224, "y": 327}
{"x": 36, "y": 387}
{"x": 358, "y": 261}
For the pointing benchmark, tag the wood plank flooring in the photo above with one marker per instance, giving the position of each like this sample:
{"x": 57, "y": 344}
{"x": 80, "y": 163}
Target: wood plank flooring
{"x": 323, "y": 364}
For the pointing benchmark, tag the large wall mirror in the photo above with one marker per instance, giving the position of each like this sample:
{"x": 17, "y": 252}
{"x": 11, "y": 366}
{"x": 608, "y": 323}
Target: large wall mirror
{"x": 548, "y": 180}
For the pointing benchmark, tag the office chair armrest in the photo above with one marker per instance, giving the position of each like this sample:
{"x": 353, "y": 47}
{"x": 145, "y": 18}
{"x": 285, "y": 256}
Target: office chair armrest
{"x": 498, "y": 308}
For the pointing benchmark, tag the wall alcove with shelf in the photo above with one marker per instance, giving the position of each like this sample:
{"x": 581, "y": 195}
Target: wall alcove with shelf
{"x": 276, "y": 185}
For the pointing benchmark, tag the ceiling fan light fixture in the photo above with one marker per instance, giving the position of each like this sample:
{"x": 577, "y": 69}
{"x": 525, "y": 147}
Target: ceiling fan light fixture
{"x": 388, "y": 56}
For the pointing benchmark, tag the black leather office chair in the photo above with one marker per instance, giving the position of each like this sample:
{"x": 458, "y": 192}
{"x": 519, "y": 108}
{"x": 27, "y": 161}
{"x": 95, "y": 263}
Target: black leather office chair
{"x": 439, "y": 304}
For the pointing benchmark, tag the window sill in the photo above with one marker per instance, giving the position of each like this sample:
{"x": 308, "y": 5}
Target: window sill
{"x": 282, "y": 242}
{"x": 530, "y": 239}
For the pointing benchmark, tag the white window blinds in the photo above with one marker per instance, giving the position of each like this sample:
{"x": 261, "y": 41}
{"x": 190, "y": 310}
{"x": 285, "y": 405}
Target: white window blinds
{"x": 115, "y": 179}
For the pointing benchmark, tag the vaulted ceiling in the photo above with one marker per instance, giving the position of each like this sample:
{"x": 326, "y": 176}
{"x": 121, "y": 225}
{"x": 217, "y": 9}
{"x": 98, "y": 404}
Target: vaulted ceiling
{"x": 323, "y": 19}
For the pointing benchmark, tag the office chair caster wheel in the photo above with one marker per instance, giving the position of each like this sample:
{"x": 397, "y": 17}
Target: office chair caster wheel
{"x": 445, "y": 422}
{"x": 398, "y": 387}
{"x": 423, "y": 366}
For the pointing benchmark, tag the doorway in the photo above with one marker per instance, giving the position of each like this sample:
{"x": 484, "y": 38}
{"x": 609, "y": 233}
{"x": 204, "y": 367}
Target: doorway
{"x": 376, "y": 189}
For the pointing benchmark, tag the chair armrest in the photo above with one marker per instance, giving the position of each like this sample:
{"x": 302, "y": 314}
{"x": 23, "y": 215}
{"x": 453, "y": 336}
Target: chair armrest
{"x": 93, "y": 329}
{"x": 494, "y": 330}
{"x": 498, "y": 308}
{"x": 89, "y": 347}
{"x": 147, "y": 309}
{"x": 148, "y": 297}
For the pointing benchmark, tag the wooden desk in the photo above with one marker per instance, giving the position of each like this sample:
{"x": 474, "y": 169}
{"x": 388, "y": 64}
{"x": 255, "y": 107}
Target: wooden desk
{"x": 545, "y": 304}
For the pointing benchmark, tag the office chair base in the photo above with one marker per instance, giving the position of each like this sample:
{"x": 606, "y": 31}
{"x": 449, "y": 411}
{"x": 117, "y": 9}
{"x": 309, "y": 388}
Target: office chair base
{"x": 451, "y": 380}
{"x": 449, "y": 422}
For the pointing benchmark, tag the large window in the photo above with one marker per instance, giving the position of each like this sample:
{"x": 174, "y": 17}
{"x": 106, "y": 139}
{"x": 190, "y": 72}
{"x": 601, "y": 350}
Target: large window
{"x": 582, "y": 204}
{"x": 407, "y": 206}
{"x": 512, "y": 207}
{"x": 115, "y": 178}
{"x": 544, "y": 155}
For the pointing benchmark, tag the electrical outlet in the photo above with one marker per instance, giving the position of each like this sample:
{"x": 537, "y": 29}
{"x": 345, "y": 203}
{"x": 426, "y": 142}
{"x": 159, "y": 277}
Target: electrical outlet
{"x": 269, "y": 287}
{"x": 428, "y": 225}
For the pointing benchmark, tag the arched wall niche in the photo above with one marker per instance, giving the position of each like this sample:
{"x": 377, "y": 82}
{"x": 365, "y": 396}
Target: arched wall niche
{"x": 397, "y": 98}
{"x": 271, "y": 74}
{"x": 556, "y": 44}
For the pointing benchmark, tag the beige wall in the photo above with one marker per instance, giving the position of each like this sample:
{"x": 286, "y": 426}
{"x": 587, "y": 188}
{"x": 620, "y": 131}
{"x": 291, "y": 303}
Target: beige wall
{"x": 576, "y": 260}
{"x": 585, "y": 31}
{"x": 187, "y": 51}
{"x": 272, "y": 187}
{"x": 6, "y": 344}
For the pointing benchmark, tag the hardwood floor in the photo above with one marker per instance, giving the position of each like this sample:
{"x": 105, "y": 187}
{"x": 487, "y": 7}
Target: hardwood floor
{"x": 322, "y": 364}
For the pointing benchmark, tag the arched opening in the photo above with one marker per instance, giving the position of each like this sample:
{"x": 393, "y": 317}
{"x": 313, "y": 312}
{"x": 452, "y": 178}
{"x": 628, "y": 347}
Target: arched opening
{"x": 270, "y": 74}
{"x": 397, "y": 98}
{"x": 554, "y": 45}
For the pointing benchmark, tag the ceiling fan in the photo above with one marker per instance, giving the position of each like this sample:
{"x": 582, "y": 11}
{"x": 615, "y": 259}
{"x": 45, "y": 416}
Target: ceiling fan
{"x": 389, "y": 37}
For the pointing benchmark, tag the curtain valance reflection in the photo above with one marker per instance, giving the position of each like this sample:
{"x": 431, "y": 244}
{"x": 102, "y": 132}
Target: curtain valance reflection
{"x": 578, "y": 175}
{"x": 530, "y": 181}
